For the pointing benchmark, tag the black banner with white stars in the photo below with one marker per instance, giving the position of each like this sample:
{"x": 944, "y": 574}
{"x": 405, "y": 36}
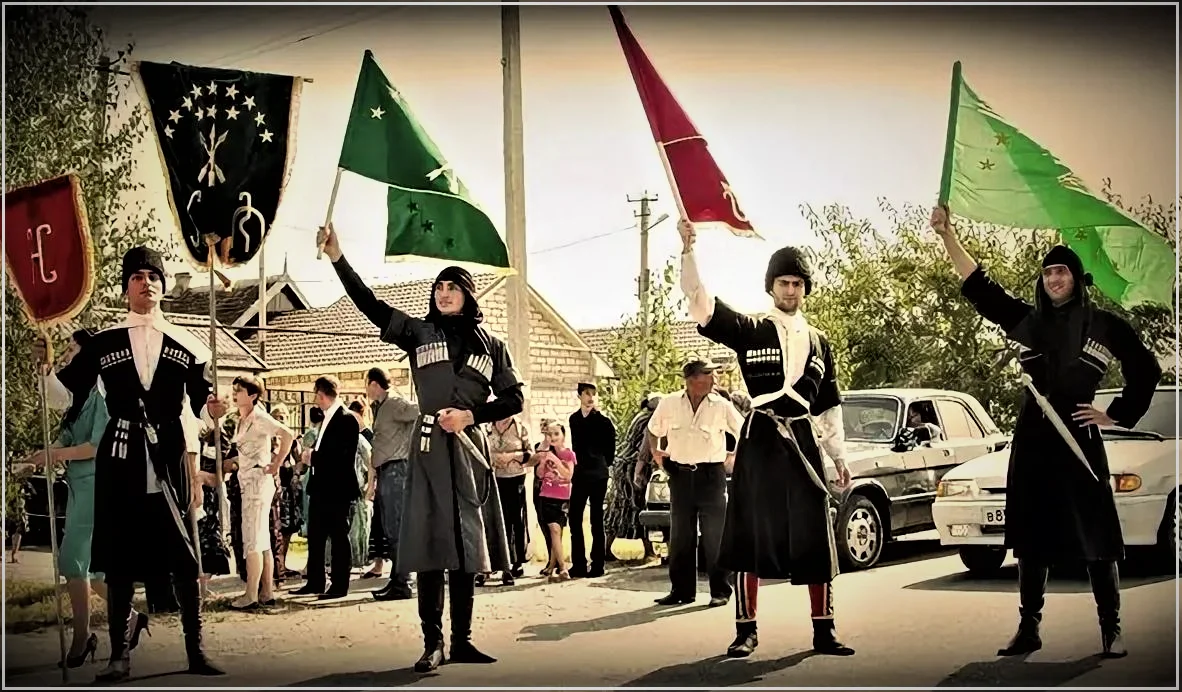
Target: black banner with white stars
{"x": 223, "y": 136}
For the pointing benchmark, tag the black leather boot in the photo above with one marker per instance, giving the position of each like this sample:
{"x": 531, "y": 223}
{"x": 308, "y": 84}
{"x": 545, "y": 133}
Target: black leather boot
{"x": 825, "y": 639}
{"x": 189, "y": 596}
{"x": 1032, "y": 587}
{"x": 746, "y": 639}
{"x": 431, "y": 617}
{"x": 1105, "y": 578}
{"x": 462, "y": 591}
{"x": 118, "y": 668}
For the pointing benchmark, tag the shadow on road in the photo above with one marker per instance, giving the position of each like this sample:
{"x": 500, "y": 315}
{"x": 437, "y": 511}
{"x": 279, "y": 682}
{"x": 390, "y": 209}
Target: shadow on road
{"x": 553, "y": 632}
{"x": 717, "y": 671}
{"x": 399, "y": 677}
{"x": 1020, "y": 672}
{"x": 908, "y": 551}
{"x": 1005, "y": 580}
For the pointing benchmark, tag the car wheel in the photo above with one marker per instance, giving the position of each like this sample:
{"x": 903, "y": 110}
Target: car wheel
{"x": 982, "y": 559}
{"x": 1168, "y": 536}
{"x": 859, "y": 534}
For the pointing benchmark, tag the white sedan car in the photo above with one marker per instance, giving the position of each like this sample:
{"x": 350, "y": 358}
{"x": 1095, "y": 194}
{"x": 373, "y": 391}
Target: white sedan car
{"x": 969, "y": 511}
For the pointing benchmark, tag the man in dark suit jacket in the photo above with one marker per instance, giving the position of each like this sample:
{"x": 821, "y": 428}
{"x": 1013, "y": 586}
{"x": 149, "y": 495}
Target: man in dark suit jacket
{"x": 331, "y": 492}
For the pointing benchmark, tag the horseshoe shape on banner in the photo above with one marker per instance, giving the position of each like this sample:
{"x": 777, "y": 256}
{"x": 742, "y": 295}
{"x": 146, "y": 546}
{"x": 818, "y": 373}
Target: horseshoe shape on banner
{"x": 242, "y": 215}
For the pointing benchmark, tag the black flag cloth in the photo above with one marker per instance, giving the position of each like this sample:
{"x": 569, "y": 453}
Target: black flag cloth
{"x": 223, "y": 136}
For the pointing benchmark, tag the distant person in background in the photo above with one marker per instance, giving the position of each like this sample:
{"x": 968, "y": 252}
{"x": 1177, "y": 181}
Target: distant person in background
{"x": 593, "y": 440}
{"x": 333, "y": 489}
{"x": 291, "y": 500}
{"x": 393, "y": 428}
{"x": 509, "y": 451}
{"x": 625, "y": 498}
{"x": 556, "y": 466}
{"x": 533, "y": 463}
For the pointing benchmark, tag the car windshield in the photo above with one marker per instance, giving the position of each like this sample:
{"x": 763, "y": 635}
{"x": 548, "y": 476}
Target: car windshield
{"x": 1162, "y": 417}
{"x": 870, "y": 419}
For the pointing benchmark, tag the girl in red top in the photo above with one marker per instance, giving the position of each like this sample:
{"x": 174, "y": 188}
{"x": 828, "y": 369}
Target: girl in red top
{"x": 556, "y": 465}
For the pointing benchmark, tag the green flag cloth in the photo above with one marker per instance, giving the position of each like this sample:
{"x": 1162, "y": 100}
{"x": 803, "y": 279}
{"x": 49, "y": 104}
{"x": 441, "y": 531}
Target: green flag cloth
{"x": 995, "y": 174}
{"x": 429, "y": 211}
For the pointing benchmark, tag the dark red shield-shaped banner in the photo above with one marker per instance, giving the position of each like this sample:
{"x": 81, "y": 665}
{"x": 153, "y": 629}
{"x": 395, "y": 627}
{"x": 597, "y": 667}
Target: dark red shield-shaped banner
{"x": 47, "y": 249}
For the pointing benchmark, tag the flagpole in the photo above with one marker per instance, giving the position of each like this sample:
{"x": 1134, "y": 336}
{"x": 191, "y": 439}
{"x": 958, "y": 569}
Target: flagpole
{"x": 950, "y": 138}
{"x": 332, "y": 202}
{"x": 672, "y": 181}
{"x": 211, "y": 240}
{"x": 50, "y": 475}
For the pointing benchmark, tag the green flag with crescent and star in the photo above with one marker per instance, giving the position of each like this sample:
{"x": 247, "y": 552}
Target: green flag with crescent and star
{"x": 995, "y": 174}
{"x": 430, "y": 213}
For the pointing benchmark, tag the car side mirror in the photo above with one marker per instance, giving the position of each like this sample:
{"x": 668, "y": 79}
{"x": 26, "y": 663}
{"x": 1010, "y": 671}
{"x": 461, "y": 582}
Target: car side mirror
{"x": 921, "y": 435}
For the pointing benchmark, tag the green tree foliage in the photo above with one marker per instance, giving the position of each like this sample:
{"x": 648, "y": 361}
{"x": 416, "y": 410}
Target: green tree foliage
{"x": 620, "y": 398}
{"x": 890, "y": 302}
{"x": 1155, "y": 323}
{"x": 59, "y": 118}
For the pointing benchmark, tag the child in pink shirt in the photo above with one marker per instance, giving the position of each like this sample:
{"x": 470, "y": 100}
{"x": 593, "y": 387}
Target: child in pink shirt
{"x": 556, "y": 466}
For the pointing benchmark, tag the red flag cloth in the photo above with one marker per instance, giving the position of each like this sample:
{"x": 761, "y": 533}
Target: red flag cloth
{"x": 704, "y": 195}
{"x": 47, "y": 249}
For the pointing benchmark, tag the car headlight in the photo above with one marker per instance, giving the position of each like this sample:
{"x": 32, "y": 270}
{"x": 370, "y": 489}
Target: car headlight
{"x": 1126, "y": 482}
{"x": 954, "y": 488}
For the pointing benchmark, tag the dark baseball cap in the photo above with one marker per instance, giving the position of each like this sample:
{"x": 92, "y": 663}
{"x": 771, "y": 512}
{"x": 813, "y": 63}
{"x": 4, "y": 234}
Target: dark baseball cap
{"x": 697, "y": 367}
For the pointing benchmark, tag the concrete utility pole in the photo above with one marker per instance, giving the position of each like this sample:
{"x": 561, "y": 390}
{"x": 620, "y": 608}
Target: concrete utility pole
{"x": 516, "y": 287}
{"x": 643, "y": 293}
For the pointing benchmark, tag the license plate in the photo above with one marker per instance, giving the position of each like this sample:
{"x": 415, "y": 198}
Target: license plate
{"x": 993, "y": 517}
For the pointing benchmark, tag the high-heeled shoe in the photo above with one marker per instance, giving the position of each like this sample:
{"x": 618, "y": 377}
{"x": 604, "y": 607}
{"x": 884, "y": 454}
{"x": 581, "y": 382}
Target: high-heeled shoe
{"x": 139, "y": 627}
{"x": 88, "y": 650}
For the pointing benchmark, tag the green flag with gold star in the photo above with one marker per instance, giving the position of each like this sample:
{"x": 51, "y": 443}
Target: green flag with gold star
{"x": 995, "y": 174}
{"x": 430, "y": 213}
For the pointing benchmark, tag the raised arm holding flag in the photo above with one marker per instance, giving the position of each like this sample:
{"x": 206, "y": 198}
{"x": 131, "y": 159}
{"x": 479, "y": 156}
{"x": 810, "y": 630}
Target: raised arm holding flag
{"x": 995, "y": 174}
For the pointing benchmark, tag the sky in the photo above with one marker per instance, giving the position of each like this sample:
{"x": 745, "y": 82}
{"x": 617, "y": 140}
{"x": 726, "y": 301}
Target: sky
{"x": 800, "y": 105}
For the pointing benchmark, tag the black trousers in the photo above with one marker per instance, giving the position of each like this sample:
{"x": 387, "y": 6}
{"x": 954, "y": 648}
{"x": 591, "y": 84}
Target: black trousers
{"x": 512, "y": 492}
{"x": 586, "y": 491}
{"x": 176, "y": 569}
{"x": 697, "y": 498}
{"x": 462, "y": 588}
{"x": 1103, "y": 575}
{"x": 329, "y": 519}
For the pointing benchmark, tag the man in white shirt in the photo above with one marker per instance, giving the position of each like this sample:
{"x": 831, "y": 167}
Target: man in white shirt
{"x": 145, "y": 484}
{"x": 694, "y": 424}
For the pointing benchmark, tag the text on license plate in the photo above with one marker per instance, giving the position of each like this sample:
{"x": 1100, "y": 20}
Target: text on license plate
{"x": 993, "y": 517}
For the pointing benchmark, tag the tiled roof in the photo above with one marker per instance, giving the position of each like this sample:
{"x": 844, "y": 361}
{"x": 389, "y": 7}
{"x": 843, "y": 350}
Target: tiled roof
{"x": 231, "y": 304}
{"x": 345, "y": 322}
{"x": 232, "y": 353}
{"x": 685, "y": 339}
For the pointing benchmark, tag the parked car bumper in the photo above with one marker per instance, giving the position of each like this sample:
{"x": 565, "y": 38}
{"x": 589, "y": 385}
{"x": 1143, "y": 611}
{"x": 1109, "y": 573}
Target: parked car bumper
{"x": 966, "y": 522}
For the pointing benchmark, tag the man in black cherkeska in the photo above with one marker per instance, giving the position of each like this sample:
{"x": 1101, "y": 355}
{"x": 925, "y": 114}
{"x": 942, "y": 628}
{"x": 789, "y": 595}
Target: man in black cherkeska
{"x": 777, "y": 515}
{"x": 1066, "y": 347}
{"x": 452, "y": 521}
{"x": 145, "y": 486}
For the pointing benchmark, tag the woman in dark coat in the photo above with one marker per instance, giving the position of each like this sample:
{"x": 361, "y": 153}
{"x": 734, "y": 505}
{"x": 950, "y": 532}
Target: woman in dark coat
{"x": 1057, "y": 511}
{"x": 625, "y": 497}
{"x": 453, "y": 519}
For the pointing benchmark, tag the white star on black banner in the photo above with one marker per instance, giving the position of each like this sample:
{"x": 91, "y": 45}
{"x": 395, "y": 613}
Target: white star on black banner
{"x": 224, "y": 137}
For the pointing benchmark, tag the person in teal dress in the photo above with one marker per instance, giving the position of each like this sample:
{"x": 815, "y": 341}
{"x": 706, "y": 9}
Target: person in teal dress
{"x": 82, "y": 429}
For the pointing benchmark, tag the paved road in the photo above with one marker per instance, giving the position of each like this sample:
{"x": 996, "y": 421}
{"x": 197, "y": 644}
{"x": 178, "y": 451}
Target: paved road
{"x": 917, "y": 620}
